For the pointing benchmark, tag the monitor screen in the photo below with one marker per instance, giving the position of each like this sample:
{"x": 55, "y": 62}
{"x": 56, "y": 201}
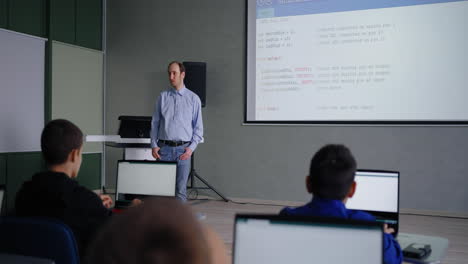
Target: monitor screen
{"x": 275, "y": 239}
{"x": 375, "y": 191}
{"x": 146, "y": 178}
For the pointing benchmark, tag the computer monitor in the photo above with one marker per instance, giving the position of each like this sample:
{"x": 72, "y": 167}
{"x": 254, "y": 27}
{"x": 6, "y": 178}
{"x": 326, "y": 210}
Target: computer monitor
{"x": 141, "y": 178}
{"x": 377, "y": 192}
{"x": 277, "y": 239}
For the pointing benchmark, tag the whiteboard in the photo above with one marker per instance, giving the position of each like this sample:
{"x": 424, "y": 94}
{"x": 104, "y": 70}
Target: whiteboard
{"x": 21, "y": 91}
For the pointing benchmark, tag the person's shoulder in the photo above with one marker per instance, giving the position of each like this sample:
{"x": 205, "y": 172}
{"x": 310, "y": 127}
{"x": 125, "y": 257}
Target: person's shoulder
{"x": 286, "y": 211}
{"x": 61, "y": 183}
{"x": 165, "y": 92}
{"x": 47, "y": 179}
{"x": 192, "y": 93}
{"x": 360, "y": 215}
{"x": 41, "y": 190}
{"x": 194, "y": 97}
{"x": 80, "y": 190}
{"x": 296, "y": 211}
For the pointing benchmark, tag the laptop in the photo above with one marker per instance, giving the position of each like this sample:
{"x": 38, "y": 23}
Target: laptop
{"x": 275, "y": 239}
{"x": 2, "y": 199}
{"x": 134, "y": 126}
{"x": 143, "y": 178}
{"x": 377, "y": 192}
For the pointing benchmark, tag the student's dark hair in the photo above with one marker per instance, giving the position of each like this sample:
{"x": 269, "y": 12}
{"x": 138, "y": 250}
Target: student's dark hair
{"x": 181, "y": 65}
{"x": 332, "y": 172}
{"x": 161, "y": 230}
{"x": 58, "y": 139}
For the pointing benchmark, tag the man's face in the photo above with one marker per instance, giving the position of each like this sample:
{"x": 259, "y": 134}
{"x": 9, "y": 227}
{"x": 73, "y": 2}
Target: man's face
{"x": 176, "y": 78}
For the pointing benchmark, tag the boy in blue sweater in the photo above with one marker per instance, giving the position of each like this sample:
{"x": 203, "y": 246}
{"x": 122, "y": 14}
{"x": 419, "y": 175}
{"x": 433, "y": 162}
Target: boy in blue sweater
{"x": 331, "y": 182}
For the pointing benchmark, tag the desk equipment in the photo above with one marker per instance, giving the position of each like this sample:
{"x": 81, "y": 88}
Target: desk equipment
{"x": 135, "y": 126}
{"x": 277, "y": 239}
{"x": 134, "y": 132}
{"x": 142, "y": 178}
{"x": 438, "y": 246}
{"x": 377, "y": 192}
{"x": 417, "y": 251}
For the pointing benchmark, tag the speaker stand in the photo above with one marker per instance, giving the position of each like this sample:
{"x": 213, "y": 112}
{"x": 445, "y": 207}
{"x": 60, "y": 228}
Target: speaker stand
{"x": 193, "y": 174}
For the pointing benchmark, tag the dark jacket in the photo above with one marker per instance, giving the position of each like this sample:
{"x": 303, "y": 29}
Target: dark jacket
{"x": 55, "y": 195}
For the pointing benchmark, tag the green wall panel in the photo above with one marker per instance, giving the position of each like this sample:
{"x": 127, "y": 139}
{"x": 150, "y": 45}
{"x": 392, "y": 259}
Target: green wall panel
{"x": 3, "y": 169}
{"x": 3, "y": 13}
{"x": 28, "y": 16}
{"x": 62, "y": 20}
{"x": 77, "y": 90}
{"x": 21, "y": 167}
{"x": 89, "y": 23}
{"x": 90, "y": 171}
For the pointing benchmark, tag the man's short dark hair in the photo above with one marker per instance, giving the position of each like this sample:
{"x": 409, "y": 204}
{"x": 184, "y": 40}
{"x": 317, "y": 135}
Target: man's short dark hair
{"x": 332, "y": 172}
{"x": 181, "y": 65}
{"x": 58, "y": 139}
{"x": 161, "y": 230}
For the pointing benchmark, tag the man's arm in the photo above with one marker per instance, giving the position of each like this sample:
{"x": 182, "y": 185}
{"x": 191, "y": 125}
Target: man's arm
{"x": 197, "y": 125}
{"x": 392, "y": 250}
{"x": 155, "y": 129}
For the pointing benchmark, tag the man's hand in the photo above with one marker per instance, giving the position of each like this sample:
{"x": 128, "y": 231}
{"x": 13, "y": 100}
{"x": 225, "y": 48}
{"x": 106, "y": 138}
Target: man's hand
{"x": 186, "y": 155}
{"x": 155, "y": 153}
{"x": 106, "y": 200}
{"x": 388, "y": 230}
{"x": 136, "y": 202}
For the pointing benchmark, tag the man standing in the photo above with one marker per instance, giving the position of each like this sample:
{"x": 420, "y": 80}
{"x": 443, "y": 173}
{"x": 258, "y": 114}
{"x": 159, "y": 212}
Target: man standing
{"x": 177, "y": 127}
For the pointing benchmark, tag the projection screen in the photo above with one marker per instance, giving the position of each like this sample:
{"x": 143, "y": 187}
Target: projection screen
{"x": 354, "y": 62}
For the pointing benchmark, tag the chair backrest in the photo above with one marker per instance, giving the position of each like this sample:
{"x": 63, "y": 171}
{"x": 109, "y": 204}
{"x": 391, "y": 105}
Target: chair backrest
{"x": 19, "y": 259}
{"x": 38, "y": 237}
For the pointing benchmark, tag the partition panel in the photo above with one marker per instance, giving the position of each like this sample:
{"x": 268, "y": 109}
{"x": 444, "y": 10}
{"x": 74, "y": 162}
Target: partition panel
{"x": 77, "y": 89}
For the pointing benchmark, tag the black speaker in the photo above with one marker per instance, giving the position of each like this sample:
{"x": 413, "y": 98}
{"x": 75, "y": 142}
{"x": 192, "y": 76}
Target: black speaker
{"x": 195, "y": 78}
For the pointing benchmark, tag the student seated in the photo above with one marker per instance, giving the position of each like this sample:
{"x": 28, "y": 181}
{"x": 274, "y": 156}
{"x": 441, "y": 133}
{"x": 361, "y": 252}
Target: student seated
{"x": 160, "y": 230}
{"x": 331, "y": 182}
{"x": 55, "y": 193}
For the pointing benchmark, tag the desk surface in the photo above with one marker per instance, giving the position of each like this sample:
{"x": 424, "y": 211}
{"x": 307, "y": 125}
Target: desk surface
{"x": 128, "y": 145}
{"x": 439, "y": 246}
{"x": 119, "y": 142}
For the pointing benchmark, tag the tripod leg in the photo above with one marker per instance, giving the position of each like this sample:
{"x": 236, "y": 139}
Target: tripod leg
{"x": 211, "y": 187}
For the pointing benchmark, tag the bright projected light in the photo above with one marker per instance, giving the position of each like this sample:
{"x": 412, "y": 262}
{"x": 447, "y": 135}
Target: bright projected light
{"x": 363, "y": 61}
